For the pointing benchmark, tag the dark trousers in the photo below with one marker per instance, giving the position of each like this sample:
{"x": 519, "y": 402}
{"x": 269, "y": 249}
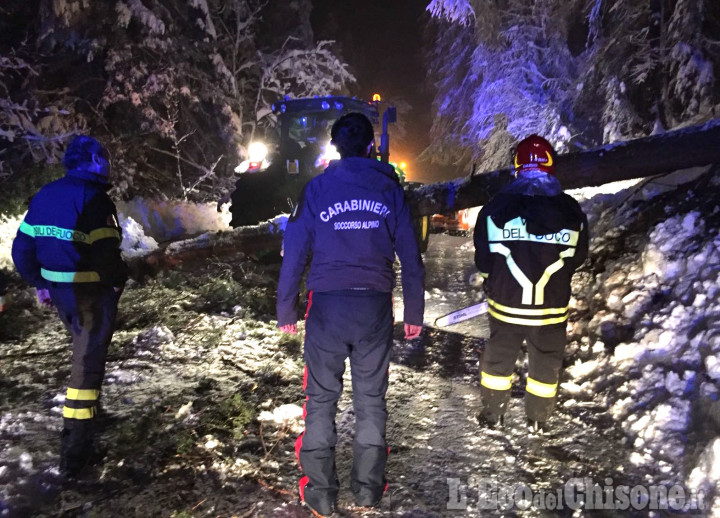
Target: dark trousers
{"x": 88, "y": 312}
{"x": 545, "y": 345}
{"x": 341, "y": 324}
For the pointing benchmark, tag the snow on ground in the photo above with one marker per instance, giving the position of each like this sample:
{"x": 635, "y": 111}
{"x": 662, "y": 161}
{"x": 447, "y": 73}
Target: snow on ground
{"x": 202, "y": 395}
{"x": 649, "y": 344}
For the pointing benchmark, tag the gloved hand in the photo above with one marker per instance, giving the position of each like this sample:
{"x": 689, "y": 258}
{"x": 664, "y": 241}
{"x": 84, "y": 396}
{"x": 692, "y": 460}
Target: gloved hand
{"x": 412, "y": 331}
{"x": 44, "y": 299}
{"x": 289, "y": 328}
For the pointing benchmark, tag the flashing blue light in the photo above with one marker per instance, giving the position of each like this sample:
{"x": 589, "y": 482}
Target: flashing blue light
{"x": 325, "y": 105}
{"x": 283, "y": 108}
{"x": 338, "y": 105}
{"x": 304, "y": 122}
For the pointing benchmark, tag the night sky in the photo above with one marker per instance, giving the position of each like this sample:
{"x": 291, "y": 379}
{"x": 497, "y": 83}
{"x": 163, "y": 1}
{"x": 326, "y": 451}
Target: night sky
{"x": 382, "y": 41}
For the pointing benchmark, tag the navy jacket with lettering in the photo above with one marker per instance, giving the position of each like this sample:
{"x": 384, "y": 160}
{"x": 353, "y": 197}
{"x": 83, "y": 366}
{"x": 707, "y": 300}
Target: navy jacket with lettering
{"x": 352, "y": 220}
{"x": 70, "y": 235}
{"x": 529, "y": 239}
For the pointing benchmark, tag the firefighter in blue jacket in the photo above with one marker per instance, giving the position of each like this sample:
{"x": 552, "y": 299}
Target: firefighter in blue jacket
{"x": 351, "y": 220}
{"x": 529, "y": 240}
{"x": 68, "y": 247}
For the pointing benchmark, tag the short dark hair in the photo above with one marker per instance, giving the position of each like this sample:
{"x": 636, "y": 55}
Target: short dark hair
{"x": 81, "y": 150}
{"x": 351, "y": 134}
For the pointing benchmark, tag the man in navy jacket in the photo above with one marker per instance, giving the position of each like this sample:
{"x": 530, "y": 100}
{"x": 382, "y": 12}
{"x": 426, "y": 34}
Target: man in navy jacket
{"x": 68, "y": 247}
{"x": 351, "y": 220}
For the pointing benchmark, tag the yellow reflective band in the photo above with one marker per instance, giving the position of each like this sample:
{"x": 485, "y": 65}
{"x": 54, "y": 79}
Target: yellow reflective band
{"x": 82, "y": 394}
{"x": 79, "y": 413}
{"x": 528, "y": 312}
{"x": 495, "y": 382}
{"x": 527, "y": 321}
{"x": 549, "y": 272}
{"x": 540, "y": 389}
{"x": 65, "y": 234}
{"x": 104, "y": 233}
{"x": 424, "y": 227}
{"x": 51, "y": 276}
{"x": 516, "y": 230}
{"x": 515, "y": 270}
{"x": 27, "y": 229}
{"x": 484, "y": 275}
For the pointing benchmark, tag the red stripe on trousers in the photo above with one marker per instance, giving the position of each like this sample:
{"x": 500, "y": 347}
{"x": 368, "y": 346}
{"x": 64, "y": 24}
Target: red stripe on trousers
{"x": 307, "y": 311}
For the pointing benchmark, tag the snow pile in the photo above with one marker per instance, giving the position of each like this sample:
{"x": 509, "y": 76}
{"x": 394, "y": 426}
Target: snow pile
{"x": 153, "y": 338}
{"x": 284, "y": 415}
{"x": 651, "y": 346}
{"x": 134, "y": 240}
{"x": 8, "y": 230}
{"x": 166, "y": 220}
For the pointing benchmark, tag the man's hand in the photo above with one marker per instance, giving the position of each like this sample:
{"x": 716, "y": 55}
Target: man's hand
{"x": 44, "y": 299}
{"x": 412, "y": 331}
{"x": 289, "y": 328}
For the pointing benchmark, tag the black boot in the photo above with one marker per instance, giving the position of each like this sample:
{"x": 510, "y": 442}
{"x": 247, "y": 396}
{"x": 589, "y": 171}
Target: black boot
{"x": 490, "y": 421}
{"x": 321, "y": 504}
{"x": 76, "y": 448}
{"x": 537, "y": 427}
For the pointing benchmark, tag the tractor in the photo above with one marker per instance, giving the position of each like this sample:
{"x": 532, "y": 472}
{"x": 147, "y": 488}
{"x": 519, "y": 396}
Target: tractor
{"x": 275, "y": 172}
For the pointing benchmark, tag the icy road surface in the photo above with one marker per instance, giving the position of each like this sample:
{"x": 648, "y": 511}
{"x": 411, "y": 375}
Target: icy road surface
{"x": 202, "y": 420}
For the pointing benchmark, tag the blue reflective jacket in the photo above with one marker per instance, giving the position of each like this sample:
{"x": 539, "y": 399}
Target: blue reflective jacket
{"x": 352, "y": 220}
{"x": 70, "y": 235}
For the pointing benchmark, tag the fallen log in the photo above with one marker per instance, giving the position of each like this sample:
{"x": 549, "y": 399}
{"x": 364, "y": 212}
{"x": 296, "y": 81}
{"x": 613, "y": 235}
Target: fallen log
{"x": 650, "y": 156}
{"x": 693, "y": 146}
{"x": 255, "y": 241}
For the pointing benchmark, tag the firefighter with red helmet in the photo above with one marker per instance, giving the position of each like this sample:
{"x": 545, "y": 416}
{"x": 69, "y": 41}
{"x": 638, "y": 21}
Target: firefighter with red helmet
{"x": 529, "y": 240}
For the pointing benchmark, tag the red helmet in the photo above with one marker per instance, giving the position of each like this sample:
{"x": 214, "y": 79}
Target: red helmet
{"x": 535, "y": 153}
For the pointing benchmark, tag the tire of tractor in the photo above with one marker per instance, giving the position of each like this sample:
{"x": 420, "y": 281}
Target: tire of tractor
{"x": 422, "y": 232}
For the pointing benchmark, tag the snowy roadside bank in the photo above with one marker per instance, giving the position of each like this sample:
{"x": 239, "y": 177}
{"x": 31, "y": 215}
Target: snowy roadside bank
{"x": 648, "y": 343}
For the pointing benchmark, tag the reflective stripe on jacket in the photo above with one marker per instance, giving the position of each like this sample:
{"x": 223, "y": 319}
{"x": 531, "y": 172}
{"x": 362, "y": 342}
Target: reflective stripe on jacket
{"x": 70, "y": 234}
{"x": 529, "y": 239}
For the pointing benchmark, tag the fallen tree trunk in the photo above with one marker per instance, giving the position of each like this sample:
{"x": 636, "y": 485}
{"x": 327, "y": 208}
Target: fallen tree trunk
{"x": 690, "y": 147}
{"x": 255, "y": 241}
{"x": 660, "y": 154}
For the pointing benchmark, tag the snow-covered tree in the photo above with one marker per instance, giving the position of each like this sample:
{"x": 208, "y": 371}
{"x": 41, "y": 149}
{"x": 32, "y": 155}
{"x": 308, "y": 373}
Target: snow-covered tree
{"x": 173, "y": 88}
{"x": 579, "y": 72}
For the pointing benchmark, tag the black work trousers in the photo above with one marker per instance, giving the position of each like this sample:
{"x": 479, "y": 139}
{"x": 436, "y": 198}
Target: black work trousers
{"x": 356, "y": 324}
{"x": 545, "y": 345}
{"x": 88, "y": 312}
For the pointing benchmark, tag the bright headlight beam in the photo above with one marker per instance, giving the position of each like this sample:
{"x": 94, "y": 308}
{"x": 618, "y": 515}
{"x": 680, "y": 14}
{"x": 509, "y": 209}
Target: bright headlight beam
{"x": 257, "y": 151}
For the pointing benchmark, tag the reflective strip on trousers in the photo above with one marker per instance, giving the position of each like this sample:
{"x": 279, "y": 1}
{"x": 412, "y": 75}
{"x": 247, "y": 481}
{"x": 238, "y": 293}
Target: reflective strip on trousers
{"x": 82, "y": 394}
{"x": 540, "y": 389}
{"x": 78, "y": 413}
{"x": 52, "y": 276}
{"x": 495, "y": 382}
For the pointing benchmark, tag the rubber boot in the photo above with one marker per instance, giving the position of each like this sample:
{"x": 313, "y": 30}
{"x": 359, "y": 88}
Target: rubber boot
{"x": 76, "y": 447}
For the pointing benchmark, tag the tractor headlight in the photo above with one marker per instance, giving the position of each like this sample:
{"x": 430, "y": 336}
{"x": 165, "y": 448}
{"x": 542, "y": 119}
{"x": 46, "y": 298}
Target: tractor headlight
{"x": 257, "y": 159}
{"x": 330, "y": 153}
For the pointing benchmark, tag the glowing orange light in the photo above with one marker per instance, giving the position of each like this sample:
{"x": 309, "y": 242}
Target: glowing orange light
{"x": 376, "y": 97}
{"x": 403, "y": 165}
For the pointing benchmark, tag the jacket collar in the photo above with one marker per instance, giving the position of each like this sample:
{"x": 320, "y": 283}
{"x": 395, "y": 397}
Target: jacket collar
{"x": 88, "y": 176}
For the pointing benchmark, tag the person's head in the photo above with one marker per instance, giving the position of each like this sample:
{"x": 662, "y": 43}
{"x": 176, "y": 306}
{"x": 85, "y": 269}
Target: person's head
{"x": 87, "y": 154}
{"x": 353, "y": 135}
{"x": 534, "y": 154}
